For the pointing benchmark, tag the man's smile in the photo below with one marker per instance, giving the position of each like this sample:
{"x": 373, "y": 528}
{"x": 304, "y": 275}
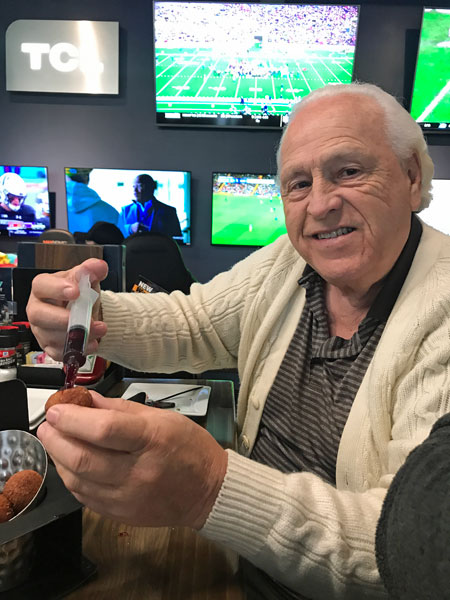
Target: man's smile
{"x": 326, "y": 235}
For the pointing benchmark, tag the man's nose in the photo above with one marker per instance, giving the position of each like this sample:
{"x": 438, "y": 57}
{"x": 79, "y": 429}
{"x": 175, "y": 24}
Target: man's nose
{"x": 323, "y": 198}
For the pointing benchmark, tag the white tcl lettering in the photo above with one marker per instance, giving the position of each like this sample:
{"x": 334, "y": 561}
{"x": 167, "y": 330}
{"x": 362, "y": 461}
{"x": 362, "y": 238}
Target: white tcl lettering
{"x": 63, "y": 57}
{"x": 66, "y": 57}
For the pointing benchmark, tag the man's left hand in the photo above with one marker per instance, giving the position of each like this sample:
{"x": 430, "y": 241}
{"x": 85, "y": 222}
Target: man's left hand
{"x": 136, "y": 464}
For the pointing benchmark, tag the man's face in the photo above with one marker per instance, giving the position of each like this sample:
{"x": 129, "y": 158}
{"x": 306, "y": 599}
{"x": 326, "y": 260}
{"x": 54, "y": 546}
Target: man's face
{"x": 347, "y": 200}
{"x": 14, "y": 201}
{"x": 142, "y": 191}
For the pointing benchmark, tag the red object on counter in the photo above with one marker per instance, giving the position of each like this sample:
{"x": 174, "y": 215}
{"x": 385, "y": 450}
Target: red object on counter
{"x": 97, "y": 373}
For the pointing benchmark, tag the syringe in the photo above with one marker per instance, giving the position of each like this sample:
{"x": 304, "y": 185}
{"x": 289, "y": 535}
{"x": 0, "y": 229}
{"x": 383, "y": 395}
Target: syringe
{"x": 78, "y": 330}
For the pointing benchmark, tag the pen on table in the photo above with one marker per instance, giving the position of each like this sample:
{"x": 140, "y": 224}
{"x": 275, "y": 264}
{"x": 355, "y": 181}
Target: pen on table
{"x": 141, "y": 398}
{"x": 194, "y": 389}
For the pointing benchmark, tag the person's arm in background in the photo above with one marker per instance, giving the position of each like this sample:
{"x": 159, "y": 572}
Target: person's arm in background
{"x": 412, "y": 549}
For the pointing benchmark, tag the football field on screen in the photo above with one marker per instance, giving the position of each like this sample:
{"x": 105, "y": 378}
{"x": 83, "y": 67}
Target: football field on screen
{"x": 196, "y": 81}
{"x": 246, "y": 220}
{"x": 431, "y": 98}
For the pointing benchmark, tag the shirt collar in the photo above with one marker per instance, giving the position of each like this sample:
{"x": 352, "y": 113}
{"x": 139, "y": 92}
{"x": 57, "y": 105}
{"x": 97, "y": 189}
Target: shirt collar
{"x": 394, "y": 280}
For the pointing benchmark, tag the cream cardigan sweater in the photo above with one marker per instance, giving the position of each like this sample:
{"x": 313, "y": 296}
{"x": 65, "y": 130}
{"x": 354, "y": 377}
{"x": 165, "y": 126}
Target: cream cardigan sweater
{"x": 311, "y": 536}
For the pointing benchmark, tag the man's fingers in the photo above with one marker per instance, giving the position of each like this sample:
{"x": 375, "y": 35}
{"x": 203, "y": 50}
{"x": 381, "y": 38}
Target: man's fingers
{"x": 96, "y": 268}
{"x": 82, "y": 462}
{"x": 63, "y": 286}
{"x": 49, "y": 316}
{"x": 125, "y": 460}
{"x": 52, "y": 289}
{"x": 79, "y": 484}
{"x": 47, "y": 305}
{"x": 119, "y": 404}
{"x": 106, "y": 428}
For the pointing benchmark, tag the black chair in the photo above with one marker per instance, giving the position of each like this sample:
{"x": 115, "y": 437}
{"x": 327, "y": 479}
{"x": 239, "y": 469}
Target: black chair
{"x": 158, "y": 258}
{"x": 61, "y": 236}
{"x": 101, "y": 232}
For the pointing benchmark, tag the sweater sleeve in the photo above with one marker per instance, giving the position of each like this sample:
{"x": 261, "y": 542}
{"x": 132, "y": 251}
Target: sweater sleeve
{"x": 195, "y": 332}
{"x": 299, "y": 529}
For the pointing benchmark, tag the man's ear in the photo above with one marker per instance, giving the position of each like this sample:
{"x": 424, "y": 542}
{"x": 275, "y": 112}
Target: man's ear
{"x": 414, "y": 172}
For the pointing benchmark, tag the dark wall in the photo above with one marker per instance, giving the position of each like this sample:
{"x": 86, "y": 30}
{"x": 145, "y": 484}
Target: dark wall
{"x": 60, "y": 130}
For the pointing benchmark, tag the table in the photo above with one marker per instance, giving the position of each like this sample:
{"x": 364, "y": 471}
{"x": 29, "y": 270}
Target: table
{"x": 136, "y": 563}
{"x": 140, "y": 563}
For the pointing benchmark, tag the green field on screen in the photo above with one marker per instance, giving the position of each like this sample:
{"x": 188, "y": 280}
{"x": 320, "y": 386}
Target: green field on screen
{"x": 246, "y": 220}
{"x": 194, "y": 80}
{"x": 431, "y": 95}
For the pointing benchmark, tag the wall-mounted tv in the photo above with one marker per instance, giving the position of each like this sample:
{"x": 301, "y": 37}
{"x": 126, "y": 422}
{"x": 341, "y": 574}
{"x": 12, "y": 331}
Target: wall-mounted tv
{"x": 430, "y": 99}
{"x": 438, "y": 213}
{"x": 24, "y": 201}
{"x": 247, "y": 209}
{"x": 133, "y": 199}
{"x": 235, "y": 64}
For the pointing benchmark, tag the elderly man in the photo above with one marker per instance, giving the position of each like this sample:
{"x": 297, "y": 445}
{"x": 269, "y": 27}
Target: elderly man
{"x": 341, "y": 335}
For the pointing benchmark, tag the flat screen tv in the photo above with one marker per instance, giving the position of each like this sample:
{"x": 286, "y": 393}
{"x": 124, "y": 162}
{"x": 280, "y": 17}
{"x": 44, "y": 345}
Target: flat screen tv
{"x": 430, "y": 99}
{"x": 24, "y": 201}
{"x": 235, "y": 64}
{"x": 247, "y": 209}
{"x": 133, "y": 199}
{"x": 438, "y": 213}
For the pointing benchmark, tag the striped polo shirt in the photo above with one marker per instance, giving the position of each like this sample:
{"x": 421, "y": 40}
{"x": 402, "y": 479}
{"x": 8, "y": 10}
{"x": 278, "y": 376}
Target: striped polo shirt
{"x": 312, "y": 394}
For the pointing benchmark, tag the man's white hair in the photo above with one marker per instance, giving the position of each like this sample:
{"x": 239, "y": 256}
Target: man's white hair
{"x": 403, "y": 133}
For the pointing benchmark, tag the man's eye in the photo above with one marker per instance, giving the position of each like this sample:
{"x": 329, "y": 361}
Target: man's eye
{"x": 350, "y": 172}
{"x": 301, "y": 185}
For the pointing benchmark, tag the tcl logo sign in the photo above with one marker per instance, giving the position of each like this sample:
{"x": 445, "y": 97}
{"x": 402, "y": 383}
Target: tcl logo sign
{"x": 63, "y": 56}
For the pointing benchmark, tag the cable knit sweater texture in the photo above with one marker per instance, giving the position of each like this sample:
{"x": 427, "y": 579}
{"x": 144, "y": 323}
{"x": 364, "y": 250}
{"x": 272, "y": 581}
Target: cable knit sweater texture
{"x": 311, "y": 536}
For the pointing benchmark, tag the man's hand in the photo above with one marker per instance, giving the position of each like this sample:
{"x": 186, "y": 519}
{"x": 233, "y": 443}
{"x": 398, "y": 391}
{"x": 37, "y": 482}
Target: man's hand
{"x": 136, "y": 464}
{"x": 47, "y": 306}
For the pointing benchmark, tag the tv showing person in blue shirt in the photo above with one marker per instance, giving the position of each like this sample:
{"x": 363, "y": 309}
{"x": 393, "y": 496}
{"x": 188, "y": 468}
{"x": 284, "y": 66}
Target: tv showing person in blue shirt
{"x": 84, "y": 205}
{"x": 147, "y": 213}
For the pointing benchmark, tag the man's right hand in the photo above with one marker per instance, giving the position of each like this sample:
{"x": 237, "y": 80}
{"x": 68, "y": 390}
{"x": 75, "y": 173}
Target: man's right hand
{"x": 47, "y": 306}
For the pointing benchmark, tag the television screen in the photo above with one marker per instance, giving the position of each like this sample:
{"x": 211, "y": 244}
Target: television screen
{"x": 244, "y": 65}
{"x": 438, "y": 213}
{"x": 24, "y": 201}
{"x": 134, "y": 200}
{"x": 247, "y": 209}
{"x": 430, "y": 100}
